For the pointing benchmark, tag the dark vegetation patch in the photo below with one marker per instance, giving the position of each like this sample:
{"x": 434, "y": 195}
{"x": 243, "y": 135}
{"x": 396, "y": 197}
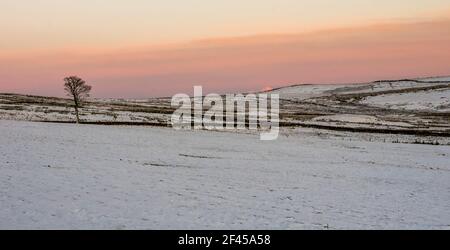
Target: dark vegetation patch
{"x": 199, "y": 156}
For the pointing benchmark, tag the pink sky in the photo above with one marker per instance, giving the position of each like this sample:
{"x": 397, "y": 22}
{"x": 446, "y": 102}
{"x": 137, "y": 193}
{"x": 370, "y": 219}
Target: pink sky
{"x": 381, "y": 50}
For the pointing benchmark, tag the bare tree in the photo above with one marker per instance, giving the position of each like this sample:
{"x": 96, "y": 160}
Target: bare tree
{"x": 78, "y": 90}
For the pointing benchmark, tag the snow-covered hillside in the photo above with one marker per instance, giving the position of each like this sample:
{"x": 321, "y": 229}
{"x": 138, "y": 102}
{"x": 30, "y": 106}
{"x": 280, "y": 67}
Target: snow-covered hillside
{"x": 67, "y": 176}
{"x": 437, "y": 100}
{"x": 309, "y": 91}
{"x": 406, "y": 106}
{"x": 414, "y": 106}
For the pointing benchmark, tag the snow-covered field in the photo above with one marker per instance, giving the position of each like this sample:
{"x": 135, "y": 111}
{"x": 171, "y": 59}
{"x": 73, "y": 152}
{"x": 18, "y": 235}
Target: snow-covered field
{"x": 67, "y": 176}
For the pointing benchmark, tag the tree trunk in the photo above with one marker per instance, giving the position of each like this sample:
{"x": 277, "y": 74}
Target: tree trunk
{"x": 76, "y": 113}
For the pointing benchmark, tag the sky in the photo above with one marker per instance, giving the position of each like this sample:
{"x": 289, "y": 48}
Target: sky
{"x": 146, "y": 48}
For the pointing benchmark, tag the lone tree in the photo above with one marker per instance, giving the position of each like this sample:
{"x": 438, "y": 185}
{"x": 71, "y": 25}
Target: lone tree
{"x": 78, "y": 90}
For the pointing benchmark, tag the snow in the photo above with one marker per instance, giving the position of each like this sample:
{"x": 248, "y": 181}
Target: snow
{"x": 308, "y": 91}
{"x": 67, "y": 176}
{"x": 385, "y": 86}
{"x": 436, "y": 100}
{"x": 305, "y": 91}
{"x": 57, "y": 113}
